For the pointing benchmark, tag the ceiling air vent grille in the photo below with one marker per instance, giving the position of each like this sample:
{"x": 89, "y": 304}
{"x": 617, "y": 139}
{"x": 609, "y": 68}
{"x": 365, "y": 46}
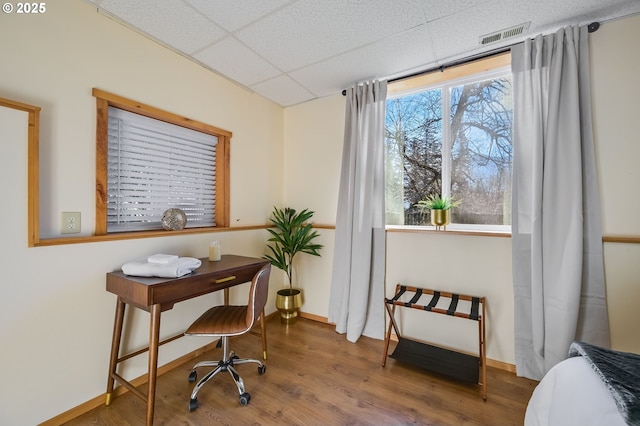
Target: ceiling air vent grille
{"x": 504, "y": 34}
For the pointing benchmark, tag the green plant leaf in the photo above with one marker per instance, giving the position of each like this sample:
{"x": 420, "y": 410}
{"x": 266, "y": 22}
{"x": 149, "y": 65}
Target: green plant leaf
{"x": 291, "y": 234}
{"x": 437, "y": 202}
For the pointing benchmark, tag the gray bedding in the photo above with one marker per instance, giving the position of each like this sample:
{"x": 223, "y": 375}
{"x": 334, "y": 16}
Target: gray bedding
{"x": 620, "y": 372}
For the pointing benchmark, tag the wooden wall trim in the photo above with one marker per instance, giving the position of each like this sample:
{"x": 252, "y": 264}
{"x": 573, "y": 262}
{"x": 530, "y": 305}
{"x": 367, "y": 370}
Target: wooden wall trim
{"x": 625, "y": 239}
{"x": 153, "y": 112}
{"x": 143, "y": 234}
{"x": 33, "y": 166}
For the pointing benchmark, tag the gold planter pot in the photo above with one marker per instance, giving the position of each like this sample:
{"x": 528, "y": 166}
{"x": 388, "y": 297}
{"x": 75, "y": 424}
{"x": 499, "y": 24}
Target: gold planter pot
{"x": 288, "y": 302}
{"x": 440, "y": 218}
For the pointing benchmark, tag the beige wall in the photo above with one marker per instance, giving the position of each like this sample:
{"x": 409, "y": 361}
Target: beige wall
{"x": 482, "y": 265}
{"x": 56, "y": 318}
{"x": 615, "y": 60}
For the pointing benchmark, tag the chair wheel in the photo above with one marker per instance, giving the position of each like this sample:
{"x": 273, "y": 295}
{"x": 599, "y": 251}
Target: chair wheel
{"x": 193, "y": 376}
{"x": 262, "y": 369}
{"x": 245, "y": 398}
{"x": 193, "y": 404}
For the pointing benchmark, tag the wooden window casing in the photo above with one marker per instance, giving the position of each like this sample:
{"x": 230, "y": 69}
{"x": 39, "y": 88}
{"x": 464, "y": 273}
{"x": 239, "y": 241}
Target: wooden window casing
{"x": 104, "y": 100}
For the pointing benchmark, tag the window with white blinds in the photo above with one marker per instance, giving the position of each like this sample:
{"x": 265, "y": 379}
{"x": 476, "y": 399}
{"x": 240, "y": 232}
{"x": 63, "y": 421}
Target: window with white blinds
{"x": 153, "y": 166}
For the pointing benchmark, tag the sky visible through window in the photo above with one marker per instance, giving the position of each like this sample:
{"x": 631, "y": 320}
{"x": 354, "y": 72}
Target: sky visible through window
{"x": 467, "y": 156}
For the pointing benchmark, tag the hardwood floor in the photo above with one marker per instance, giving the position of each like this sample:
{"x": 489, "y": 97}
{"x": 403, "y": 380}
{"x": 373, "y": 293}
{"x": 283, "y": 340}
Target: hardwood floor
{"x": 316, "y": 377}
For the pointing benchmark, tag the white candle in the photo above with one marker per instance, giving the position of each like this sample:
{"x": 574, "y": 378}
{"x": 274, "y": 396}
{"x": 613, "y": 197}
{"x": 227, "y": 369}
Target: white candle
{"x": 215, "y": 250}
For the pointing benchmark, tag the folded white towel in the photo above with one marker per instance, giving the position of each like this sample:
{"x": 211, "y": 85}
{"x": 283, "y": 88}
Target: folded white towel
{"x": 174, "y": 269}
{"x": 162, "y": 258}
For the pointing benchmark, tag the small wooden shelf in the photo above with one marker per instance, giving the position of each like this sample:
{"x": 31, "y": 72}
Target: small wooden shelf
{"x": 439, "y": 360}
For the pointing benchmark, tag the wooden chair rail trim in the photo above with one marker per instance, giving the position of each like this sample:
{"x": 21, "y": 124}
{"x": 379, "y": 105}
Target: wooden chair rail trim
{"x": 613, "y": 238}
{"x": 624, "y": 239}
{"x": 143, "y": 234}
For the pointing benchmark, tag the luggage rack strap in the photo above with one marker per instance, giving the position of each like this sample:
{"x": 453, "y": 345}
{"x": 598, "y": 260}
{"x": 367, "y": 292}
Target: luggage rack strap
{"x": 449, "y": 362}
{"x": 452, "y": 310}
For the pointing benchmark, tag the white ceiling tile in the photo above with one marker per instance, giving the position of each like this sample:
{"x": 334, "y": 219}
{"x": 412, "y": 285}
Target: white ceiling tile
{"x": 283, "y": 90}
{"x": 397, "y": 55}
{"x": 551, "y": 14}
{"x": 234, "y": 14}
{"x": 496, "y": 15}
{"x": 232, "y": 59}
{"x": 479, "y": 20}
{"x": 328, "y": 45}
{"x": 308, "y": 31}
{"x": 436, "y": 9}
{"x": 168, "y": 21}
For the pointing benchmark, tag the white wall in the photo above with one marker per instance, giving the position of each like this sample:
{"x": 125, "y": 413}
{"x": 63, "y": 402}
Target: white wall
{"x": 313, "y": 157}
{"x": 313, "y": 141}
{"x": 615, "y": 60}
{"x": 482, "y": 265}
{"x": 56, "y": 318}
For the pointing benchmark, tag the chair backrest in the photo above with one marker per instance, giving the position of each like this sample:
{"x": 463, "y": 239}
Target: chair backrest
{"x": 258, "y": 294}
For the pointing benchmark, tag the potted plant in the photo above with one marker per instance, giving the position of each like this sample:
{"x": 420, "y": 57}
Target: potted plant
{"x": 440, "y": 207}
{"x": 292, "y": 234}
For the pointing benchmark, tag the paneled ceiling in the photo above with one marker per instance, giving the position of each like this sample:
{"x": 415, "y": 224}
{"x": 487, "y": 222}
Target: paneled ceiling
{"x": 292, "y": 51}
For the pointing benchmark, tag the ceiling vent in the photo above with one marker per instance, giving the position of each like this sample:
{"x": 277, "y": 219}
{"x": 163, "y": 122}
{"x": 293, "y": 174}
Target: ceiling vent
{"x": 504, "y": 34}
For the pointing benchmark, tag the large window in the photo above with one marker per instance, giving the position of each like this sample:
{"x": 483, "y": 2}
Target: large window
{"x": 451, "y": 134}
{"x": 150, "y": 161}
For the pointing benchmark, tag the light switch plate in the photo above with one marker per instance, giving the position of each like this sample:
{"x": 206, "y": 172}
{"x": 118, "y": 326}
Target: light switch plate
{"x": 70, "y": 223}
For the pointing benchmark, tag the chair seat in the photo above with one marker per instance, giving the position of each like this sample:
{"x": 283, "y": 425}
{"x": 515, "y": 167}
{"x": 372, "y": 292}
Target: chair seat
{"x": 218, "y": 320}
{"x": 226, "y": 321}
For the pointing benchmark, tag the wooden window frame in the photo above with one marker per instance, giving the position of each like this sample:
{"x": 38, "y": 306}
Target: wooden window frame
{"x": 453, "y": 73}
{"x": 103, "y": 101}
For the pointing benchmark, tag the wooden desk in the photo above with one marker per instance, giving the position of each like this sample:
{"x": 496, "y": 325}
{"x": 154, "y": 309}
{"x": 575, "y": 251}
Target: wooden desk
{"x": 156, "y": 295}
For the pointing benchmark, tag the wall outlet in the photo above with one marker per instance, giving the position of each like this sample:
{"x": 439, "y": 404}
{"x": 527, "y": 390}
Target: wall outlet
{"x": 70, "y": 223}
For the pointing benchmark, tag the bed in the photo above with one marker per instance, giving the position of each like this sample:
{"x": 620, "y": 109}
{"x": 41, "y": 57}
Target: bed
{"x": 594, "y": 386}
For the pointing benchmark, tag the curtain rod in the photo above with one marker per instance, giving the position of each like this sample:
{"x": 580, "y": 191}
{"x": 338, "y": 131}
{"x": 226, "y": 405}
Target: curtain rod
{"x": 592, "y": 28}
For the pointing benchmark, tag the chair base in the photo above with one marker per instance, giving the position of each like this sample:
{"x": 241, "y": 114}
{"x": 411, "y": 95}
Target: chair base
{"x": 227, "y": 363}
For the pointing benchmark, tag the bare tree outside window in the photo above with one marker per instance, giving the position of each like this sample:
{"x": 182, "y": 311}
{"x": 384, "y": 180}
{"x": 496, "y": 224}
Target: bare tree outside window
{"x": 481, "y": 118}
{"x": 469, "y": 158}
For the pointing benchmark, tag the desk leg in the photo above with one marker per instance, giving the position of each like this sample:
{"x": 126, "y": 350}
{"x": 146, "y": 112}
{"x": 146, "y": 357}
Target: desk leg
{"x": 115, "y": 347}
{"x": 263, "y": 328}
{"x": 154, "y": 338}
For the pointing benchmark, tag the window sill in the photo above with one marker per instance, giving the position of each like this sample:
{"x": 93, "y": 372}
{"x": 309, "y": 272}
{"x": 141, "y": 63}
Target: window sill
{"x": 138, "y": 235}
{"x": 452, "y": 229}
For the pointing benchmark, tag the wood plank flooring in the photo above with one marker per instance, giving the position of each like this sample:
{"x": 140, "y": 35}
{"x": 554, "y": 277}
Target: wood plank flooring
{"x": 316, "y": 377}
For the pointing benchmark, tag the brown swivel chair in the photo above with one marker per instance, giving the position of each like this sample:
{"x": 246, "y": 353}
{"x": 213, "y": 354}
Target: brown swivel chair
{"x": 226, "y": 321}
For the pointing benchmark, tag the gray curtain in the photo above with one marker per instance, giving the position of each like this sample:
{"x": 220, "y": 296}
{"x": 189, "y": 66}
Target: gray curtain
{"x": 558, "y": 267}
{"x": 356, "y": 303}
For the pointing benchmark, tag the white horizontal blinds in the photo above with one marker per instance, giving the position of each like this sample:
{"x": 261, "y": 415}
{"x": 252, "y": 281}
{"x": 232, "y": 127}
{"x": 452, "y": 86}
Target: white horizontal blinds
{"x": 154, "y": 166}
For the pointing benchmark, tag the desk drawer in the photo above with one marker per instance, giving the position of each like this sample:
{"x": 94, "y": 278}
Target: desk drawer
{"x": 197, "y": 285}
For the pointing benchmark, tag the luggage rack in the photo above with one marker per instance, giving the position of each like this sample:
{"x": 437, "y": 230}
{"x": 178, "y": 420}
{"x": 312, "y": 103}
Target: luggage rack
{"x": 439, "y": 360}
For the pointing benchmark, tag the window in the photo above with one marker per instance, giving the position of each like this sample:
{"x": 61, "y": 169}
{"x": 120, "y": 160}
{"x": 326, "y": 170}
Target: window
{"x": 150, "y": 160}
{"x": 450, "y": 133}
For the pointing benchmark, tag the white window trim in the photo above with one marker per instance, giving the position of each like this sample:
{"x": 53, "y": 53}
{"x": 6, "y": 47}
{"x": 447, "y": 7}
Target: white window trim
{"x": 446, "y": 143}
